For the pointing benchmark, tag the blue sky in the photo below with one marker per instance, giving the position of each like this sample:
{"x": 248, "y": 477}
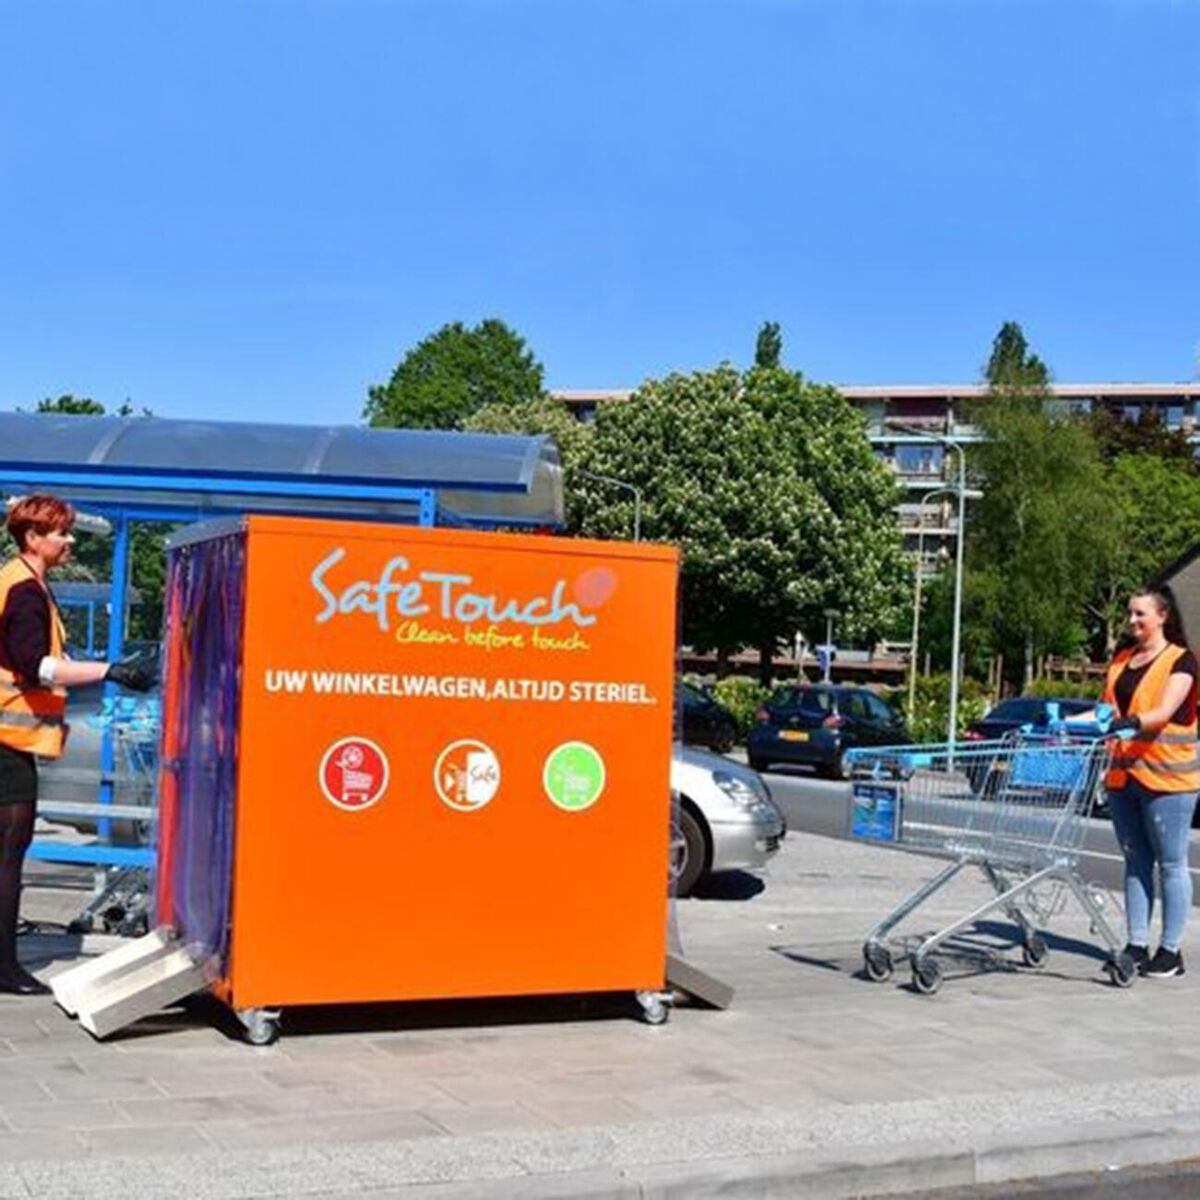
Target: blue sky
{"x": 252, "y": 208}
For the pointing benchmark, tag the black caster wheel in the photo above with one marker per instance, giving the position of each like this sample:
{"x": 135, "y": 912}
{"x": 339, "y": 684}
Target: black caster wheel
{"x": 927, "y": 977}
{"x": 1035, "y": 952}
{"x": 877, "y": 963}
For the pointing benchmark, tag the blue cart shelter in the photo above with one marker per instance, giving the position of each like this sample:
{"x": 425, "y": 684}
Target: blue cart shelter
{"x": 130, "y": 469}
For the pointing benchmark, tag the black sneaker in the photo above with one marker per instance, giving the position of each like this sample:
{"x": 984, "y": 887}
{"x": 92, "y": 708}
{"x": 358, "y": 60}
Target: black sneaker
{"x": 1140, "y": 955}
{"x": 1164, "y": 964}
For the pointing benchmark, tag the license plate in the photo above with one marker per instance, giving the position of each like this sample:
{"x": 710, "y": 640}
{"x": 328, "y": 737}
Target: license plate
{"x": 794, "y": 735}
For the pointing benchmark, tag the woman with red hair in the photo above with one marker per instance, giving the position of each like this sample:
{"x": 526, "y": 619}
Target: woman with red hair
{"x": 34, "y": 675}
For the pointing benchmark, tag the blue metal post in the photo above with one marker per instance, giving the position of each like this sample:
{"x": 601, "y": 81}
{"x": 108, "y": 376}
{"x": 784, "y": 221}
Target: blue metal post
{"x": 428, "y": 510}
{"x": 91, "y": 636}
{"x": 116, "y": 647}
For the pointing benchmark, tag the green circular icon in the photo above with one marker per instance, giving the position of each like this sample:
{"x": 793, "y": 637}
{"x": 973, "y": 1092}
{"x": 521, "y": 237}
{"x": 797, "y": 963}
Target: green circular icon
{"x": 574, "y": 776}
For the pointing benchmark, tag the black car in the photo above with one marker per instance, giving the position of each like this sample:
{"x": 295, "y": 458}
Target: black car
{"x": 986, "y": 770}
{"x": 705, "y": 721}
{"x": 816, "y": 725}
{"x": 1018, "y": 711}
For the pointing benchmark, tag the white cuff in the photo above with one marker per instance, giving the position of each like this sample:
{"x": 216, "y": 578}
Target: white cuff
{"x": 47, "y": 669}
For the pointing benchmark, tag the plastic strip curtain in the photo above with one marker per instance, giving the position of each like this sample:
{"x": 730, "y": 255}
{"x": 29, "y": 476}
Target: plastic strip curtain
{"x": 205, "y": 601}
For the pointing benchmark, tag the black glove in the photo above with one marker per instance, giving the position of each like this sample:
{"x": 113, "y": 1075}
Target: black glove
{"x": 1133, "y": 723}
{"x": 132, "y": 673}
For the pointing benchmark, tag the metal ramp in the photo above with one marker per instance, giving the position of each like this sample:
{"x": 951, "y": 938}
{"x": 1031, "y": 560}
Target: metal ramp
{"x": 133, "y": 981}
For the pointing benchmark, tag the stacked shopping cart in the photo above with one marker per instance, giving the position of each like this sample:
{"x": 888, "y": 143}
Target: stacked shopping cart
{"x": 1016, "y": 808}
{"x": 120, "y": 901}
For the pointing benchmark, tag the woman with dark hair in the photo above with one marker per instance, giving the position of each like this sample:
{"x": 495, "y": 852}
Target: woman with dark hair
{"x": 1154, "y": 776}
{"x": 34, "y": 675}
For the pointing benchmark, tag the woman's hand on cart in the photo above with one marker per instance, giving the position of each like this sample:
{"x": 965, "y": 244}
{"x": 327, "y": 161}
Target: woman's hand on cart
{"x": 134, "y": 673}
{"x": 1101, "y": 721}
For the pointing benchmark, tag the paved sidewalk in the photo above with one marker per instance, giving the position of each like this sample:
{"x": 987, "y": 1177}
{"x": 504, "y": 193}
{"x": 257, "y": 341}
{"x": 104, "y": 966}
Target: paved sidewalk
{"x": 814, "y": 1082}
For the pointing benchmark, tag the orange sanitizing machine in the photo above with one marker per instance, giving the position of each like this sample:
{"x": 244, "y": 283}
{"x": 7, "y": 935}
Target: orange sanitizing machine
{"x": 409, "y": 763}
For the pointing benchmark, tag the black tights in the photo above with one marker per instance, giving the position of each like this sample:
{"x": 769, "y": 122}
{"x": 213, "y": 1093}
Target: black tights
{"x": 16, "y": 832}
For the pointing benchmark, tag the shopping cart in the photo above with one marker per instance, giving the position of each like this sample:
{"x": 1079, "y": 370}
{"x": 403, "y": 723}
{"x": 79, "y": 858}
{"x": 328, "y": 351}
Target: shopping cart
{"x": 1016, "y": 808}
{"x": 120, "y": 900}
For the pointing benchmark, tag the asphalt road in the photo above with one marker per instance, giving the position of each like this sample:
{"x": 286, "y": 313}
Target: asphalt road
{"x": 820, "y": 806}
{"x": 1176, "y": 1181}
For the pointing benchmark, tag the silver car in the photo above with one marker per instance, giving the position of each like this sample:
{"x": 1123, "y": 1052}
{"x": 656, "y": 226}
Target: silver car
{"x": 726, "y": 818}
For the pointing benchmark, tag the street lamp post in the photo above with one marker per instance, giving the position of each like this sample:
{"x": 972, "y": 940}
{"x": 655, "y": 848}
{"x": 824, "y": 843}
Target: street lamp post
{"x": 620, "y": 483}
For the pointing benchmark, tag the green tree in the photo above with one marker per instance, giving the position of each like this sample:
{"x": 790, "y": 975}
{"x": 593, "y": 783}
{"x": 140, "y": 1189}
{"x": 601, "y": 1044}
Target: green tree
{"x": 1011, "y": 366}
{"x": 1154, "y": 503}
{"x": 1116, "y": 436}
{"x": 768, "y": 347}
{"x": 769, "y": 486}
{"x": 73, "y": 406}
{"x": 452, "y": 374}
{"x": 981, "y": 633}
{"x": 1036, "y": 537}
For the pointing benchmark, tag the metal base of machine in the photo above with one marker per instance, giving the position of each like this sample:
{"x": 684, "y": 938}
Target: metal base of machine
{"x": 683, "y": 976}
{"x": 110, "y": 992}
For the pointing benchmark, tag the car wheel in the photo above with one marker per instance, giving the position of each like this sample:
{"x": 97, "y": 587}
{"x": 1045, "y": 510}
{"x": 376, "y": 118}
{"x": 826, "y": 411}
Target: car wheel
{"x": 758, "y": 764}
{"x": 837, "y": 769}
{"x": 724, "y": 737}
{"x": 688, "y": 852}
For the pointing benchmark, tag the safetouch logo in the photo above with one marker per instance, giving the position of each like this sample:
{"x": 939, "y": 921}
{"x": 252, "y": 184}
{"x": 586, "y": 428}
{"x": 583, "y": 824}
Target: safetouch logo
{"x": 400, "y": 592}
{"x": 353, "y": 774}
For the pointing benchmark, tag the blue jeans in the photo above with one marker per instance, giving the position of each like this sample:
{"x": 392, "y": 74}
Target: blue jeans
{"x": 1154, "y": 828}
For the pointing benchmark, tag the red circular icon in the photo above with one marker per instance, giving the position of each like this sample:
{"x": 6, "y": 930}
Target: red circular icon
{"x": 354, "y": 773}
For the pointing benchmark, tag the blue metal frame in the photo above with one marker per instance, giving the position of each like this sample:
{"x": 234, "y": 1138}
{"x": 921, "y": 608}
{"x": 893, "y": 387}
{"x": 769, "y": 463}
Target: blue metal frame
{"x": 89, "y": 607}
{"x": 94, "y": 856}
{"x": 232, "y": 485}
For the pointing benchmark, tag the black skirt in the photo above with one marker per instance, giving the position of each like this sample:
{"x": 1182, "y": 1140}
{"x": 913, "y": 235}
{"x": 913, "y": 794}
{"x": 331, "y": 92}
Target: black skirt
{"x": 18, "y": 776}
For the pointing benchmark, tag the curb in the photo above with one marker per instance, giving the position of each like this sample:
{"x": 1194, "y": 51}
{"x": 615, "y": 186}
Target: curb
{"x": 636, "y": 1163}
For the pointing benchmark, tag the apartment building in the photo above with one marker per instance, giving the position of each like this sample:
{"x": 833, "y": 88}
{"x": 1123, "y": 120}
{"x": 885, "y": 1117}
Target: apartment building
{"x": 898, "y": 414}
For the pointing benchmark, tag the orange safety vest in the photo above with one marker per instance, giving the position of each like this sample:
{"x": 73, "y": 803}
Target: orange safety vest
{"x": 32, "y": 715}
{"x": 1165, "y": 761}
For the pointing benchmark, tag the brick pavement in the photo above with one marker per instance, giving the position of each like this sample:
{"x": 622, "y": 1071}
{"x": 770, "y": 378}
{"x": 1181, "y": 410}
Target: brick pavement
{"x": 813, "y": 1072}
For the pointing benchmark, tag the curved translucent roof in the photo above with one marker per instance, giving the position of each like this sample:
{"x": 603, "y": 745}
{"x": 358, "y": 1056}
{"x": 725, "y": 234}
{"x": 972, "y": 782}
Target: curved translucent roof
{"x": 297, "y": 468}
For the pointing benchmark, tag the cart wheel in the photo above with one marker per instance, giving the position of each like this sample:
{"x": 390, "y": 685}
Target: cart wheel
{"x": 654, "y": 1008}
{"x": 877, "y": 963}
{"x": 260, "y": 1027}
{"x": 1035, "y": 952}
{"x": 1121, "y": 970}
{"x": 927, "y": 977}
